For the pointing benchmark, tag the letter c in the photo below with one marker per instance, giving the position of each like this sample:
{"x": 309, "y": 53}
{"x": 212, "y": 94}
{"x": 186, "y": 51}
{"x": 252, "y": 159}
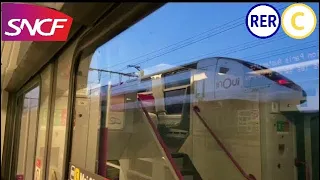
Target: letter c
{"x": 38, "y": 27}
{"x": 293, "y": 21}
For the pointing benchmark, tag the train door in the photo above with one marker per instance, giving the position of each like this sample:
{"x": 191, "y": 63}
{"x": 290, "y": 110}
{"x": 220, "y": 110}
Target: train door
{"x": 278, "y": 143}
{"x": 306, "y": 144}
{"x": 174, "y": 124}
{"x": 173, "y": 90}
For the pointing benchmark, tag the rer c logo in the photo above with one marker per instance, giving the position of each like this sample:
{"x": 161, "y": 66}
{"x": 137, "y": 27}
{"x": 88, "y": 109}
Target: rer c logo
{"x": 298, "y": 21}
{"x": 26, "y": 22}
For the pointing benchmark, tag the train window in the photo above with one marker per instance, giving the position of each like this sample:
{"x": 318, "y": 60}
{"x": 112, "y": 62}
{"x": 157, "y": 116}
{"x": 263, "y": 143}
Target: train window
{"x": 177, "y": 79}
{"x": 41, "y": 144}
{"x": 200, "y": 98}
{"x": 174, "y": 100}
{"x": 87, "y": 110}
{"x": 57, "y": 152}
{"x": 28, "y": 134}
{"x": 257, "y": 72}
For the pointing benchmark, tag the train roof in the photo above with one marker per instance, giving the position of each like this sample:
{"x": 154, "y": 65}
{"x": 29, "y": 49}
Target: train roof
{"x": 193, "y": 65}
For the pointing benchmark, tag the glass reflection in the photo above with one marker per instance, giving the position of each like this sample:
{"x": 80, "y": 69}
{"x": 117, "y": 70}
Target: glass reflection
{"x": 204, "y": 99}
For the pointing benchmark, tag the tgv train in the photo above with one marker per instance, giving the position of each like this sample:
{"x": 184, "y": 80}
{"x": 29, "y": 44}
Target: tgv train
{"x": 216, "y": 118}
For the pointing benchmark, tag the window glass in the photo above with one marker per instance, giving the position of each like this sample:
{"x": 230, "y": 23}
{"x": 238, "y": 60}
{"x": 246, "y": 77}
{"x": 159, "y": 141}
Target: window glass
{"x": 174, "y": 100}
{"x": 86, "y": 122}
{"x": 177, "y": 79}
{"x": 41, "y": 145}
{"x": 189, "y": 92}
{"x": 58, "y": 135}
{"x": 28, "y": 134}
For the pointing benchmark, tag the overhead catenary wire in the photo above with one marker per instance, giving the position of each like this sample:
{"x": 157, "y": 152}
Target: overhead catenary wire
{"x": 281, "y": 53}
{"x": 288, "y": 50}
{"x": 177, "y": 43}
{"x": 225, "y": 29}
{"x": 175, "y": 49}
{"x": 254, "y": 43}
{"x": 231, "y": 49}
{"x": 227, "y": 51}
{"x": 276, "y": 50}
{"x": 309, "y": 47}
{"x": 189, "y": 43}
{"x": 183, "y": 45}
{"x": 245, "y": 48}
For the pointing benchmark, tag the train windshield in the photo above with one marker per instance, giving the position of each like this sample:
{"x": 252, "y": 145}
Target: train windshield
{"x": 272, "y": 75}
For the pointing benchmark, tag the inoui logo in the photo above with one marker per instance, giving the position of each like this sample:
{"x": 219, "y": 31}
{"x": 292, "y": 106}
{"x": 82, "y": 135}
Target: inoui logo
{"x": 26, "y": 22}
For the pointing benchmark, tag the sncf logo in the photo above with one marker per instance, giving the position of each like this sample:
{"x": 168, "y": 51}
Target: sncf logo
{"x": 26, "y": 22}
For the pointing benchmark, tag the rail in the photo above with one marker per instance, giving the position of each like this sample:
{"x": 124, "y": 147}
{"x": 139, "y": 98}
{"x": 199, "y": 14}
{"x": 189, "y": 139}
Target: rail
{"x": 160, "y": 140}
{"x": 196, "y": 109}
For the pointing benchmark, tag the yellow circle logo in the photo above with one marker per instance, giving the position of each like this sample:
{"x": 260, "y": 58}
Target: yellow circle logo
{"x": 298, "y": 21}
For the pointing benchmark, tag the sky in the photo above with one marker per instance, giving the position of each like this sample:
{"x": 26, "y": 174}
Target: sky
{"x": 199, "y": 30}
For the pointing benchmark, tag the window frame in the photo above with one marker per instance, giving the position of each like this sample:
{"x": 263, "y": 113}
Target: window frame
{"x": 88, "y": 40}
{"x": 123, "y": 17}
{"x": 13, "y": 127}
